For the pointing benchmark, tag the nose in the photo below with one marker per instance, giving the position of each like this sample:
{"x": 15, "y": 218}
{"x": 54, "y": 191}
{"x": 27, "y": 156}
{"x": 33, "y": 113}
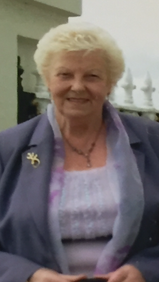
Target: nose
{"x": 77, "y": 85}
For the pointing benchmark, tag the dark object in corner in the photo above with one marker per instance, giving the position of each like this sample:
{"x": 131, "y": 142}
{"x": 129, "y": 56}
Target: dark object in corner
{"x": 93, "y": 280}
{"x": 27, "y": 104}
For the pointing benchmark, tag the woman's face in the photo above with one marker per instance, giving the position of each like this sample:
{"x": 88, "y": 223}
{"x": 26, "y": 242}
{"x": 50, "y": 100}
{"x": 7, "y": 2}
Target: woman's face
{"x": 78, "y": 83}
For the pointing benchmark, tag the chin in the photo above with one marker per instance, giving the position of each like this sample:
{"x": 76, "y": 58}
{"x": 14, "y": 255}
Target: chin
{"x": 75, "y": 114}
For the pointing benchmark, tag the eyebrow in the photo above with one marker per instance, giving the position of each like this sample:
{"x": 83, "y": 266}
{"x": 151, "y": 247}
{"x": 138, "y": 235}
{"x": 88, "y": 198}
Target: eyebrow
{"x": 65, "y": 68}
{"x": 61, "y": 68}
{"x": 96, "y": 70}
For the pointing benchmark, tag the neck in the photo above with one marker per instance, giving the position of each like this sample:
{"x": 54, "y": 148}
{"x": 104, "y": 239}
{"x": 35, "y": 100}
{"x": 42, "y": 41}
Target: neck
{"x": 79, "y": 128}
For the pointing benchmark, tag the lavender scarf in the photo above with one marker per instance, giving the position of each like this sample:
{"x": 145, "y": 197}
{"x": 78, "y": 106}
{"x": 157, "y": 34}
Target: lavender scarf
{"x": 128, "y": 193}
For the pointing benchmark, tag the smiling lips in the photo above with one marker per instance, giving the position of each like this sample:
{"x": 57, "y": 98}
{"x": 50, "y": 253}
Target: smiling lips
{"x": 78, "y": 100}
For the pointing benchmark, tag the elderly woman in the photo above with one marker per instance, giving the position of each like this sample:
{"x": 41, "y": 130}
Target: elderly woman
{"x": 79, "y": 185}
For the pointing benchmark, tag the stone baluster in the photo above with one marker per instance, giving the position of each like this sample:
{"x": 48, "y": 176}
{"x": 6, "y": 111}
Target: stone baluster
{"x": 128, "y": 86}
{"x": 42, "y": 94}
{"x": 147, "y": 104}
{"x": 147, "y": 90}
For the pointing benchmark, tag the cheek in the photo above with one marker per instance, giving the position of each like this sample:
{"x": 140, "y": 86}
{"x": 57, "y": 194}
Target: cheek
{"x": 58, "y": 88}
{"x": 58, "y": 94}
{"x": 99, "y": 93}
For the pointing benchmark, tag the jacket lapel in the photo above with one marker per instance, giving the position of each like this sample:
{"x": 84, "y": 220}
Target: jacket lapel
{"x": 137, "y": 146}
{"x": 140, "y": 158}
{"x": 35, "y": 180}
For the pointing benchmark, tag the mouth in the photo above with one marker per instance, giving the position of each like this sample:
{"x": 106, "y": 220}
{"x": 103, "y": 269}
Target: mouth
{"x": 78, "y": 100}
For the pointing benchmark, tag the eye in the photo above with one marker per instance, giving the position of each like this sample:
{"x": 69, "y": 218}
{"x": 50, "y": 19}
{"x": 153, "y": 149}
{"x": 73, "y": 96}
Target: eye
{"x": 92, "y": 76}
{"x": 64, "y": 74}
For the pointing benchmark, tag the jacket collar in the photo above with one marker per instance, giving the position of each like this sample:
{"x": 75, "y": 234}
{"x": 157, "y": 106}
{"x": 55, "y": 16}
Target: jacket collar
{"x": 135, "y": 140}
{"x": 43, "y": 132}
{"x": 133, "y": 137}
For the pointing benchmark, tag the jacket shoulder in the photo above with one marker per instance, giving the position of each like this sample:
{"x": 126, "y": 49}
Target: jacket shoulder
{"x": 21, "y": 130}
{"x": 138, "y": 123}
{"x": 19, "y": 136}
{"x": 146, "y": 129}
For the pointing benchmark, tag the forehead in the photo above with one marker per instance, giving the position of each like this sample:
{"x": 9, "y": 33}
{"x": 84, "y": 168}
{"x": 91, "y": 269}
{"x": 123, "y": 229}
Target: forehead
{"x": 79, "y": 59}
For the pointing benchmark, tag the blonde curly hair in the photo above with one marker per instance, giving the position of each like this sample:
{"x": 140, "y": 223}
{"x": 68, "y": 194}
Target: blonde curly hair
{"x": 76, "y": 37}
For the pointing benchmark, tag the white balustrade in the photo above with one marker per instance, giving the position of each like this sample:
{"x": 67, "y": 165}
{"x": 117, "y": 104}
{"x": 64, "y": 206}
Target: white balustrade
{"x": 127, "y": 96}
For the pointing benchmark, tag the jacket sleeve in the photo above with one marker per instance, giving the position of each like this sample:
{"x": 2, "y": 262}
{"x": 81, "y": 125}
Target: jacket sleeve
{"x": 147, "y": 262}
{"x": 14, "y": 268}
{"x": 153, "y": 135}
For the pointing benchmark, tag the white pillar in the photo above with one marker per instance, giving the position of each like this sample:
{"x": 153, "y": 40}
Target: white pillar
{"x": 128, "y": 86}
{"x": 147, "y": 91}
{"x": 42, "y": 94}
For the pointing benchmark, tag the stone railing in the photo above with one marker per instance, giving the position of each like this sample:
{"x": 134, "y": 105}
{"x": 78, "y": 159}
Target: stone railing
{"x": 136, "y": 99}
